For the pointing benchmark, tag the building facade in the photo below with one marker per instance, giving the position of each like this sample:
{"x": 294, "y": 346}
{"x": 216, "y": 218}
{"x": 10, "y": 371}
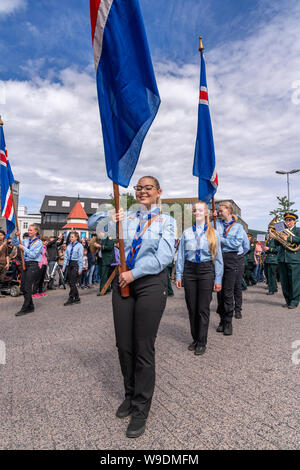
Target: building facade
{"x": 55, "y": 210}
{"x": 26, "y": 219}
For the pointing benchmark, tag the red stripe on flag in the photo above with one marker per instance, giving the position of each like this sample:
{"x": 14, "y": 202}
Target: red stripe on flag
{"x": 203, "y": 95}
{"x": 3, "y": 158}
{"x": 8, "y": 208}
{"x": 94, "y": 7}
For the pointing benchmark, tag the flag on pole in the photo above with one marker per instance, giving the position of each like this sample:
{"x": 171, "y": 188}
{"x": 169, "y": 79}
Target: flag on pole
{"x": 127, "y": 90}
{"x": 7, "y": 179}
{"x": 204, "y": 158}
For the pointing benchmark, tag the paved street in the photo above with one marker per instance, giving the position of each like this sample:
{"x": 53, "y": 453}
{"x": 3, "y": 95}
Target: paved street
{"x": 61, "y": 384}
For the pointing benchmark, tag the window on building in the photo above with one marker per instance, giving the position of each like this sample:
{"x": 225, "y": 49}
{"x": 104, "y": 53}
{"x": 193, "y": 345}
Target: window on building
{"x": 52, "y": 203}
{"x": 66, "y": 204}
{"x": 25, "y": 225}
{"x": 94, "y": 205}
{"x": 82, "y": 203}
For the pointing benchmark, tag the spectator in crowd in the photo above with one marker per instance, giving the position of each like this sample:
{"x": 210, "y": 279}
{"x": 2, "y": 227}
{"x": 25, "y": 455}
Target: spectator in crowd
{"x": 91, "y": 264}
{"x": 4, "y": 258}
{"x": 15, "y": 258}
{"x": 258, "y": 271}
{"x": 83, "y": 278}
{"x": 61, "y": 256}
{"x": 52, "y": 250}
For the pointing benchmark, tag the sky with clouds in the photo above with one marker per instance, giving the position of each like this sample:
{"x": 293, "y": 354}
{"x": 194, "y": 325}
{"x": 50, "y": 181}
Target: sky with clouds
{"x": 49, "y": 104}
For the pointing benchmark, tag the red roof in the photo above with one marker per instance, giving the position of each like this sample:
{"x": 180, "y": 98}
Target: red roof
{"x": 76, "y": 225}
{"x": 78, "y": 212}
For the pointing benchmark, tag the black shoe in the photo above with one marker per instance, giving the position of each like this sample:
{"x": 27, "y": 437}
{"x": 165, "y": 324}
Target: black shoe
{"x": 24, "y": 312}
{"x": 192, "y": 346}
{"x": 270, "y": 293}
{"x": 200, "y": 350}
{"x": 220, "y": 328}
{"x": 238, "y": 315}
{"x": 228, "y": 328}
{"x": 292, "y": 306}
{"x": 124, "y": 409}
{"x": 70, "y": 301}
{"x": 98, "y": 295}
{"x": 136, "y": 427}
{"x": 76, "y": 301}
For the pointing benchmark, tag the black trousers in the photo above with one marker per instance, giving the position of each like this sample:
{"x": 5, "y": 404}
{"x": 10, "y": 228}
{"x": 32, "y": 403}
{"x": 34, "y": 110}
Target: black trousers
{"x": 136, "y": 321}
{"x": 198, "y": 288}
{"x": 270, "y": 272}
{"x": 238, "y": 292}
{"x": 225, "y": 297}
{"x": 28, "y": 278}
{"x": 73, "y": 277}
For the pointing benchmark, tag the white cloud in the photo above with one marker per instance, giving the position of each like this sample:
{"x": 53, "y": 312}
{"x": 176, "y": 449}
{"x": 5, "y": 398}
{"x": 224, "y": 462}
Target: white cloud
{"x": 55, "y": 144}
{"x": 8, "y": 6}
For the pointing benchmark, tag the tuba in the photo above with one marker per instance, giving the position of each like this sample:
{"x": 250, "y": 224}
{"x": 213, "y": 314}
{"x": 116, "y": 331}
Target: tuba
{"x": 278, "y": 236}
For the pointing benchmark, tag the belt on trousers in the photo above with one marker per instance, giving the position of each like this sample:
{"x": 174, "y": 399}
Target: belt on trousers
{"x": 204, "y": 263}
{"x": 31, "y": 263}
{"x": 73, "y": 263}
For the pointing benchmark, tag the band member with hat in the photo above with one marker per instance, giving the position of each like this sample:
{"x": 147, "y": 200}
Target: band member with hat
{"x": 74, "y": 260}
{"x": 271, "y": 264}
{"x": 149, "y": 238}
{"x": 32, "y": 248}
{"x": 289, "y": 261}
{"x": 200, "y": 262}
{"x": 231, "y": 236}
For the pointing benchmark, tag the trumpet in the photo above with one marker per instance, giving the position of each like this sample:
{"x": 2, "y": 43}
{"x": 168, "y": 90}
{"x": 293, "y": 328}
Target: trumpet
{"x": 294, "y": 247}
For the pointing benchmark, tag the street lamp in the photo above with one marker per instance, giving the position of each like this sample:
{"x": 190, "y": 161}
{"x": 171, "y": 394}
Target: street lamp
{"x": 287, "y": 173}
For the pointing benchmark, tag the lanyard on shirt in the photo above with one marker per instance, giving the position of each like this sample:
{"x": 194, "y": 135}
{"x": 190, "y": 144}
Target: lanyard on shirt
{"x": 73, "y": 246}
{"x": 227, "y": 226}
{"x": 32, "y": 242}
{"x": 137, "y": 240}
{"x": 198, "y": 240}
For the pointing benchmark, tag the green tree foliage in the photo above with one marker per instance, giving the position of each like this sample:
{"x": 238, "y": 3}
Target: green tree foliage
{"x": 285, "y": 205}
{"x": 126, "y": 200}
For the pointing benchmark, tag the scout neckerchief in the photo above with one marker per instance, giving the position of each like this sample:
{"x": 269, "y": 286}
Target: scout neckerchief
{"x": 227, "y": 226}
{"x": 73, "y": 246}
{"x": 31, "y": 242}
{"x": 198, "y": 240}
{"x": 141, "y": 229}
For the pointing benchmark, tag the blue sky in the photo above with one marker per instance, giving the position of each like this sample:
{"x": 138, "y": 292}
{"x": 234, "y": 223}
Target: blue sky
{"x": 253, "y": 70}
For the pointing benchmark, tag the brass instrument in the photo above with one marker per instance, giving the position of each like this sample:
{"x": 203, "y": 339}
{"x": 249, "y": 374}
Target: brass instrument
{"x": 294, "y": 247}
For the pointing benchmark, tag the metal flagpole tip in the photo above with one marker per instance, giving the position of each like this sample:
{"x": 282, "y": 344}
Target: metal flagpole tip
{"x": 201, "y": 47}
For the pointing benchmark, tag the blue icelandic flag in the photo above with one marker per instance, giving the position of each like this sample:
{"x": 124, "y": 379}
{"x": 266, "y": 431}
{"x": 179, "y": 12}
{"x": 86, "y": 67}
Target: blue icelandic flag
{"x": 7, "y": 179}
{"x": 204, "y": 158}
{"x": 127, "y": 90}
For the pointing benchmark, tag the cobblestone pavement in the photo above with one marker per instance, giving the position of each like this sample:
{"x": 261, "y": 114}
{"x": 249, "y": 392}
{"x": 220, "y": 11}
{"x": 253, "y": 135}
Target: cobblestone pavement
{"x": 61, "y": 384}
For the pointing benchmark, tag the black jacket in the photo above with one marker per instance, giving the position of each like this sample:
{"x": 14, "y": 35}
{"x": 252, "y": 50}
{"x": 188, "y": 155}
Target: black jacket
{"x": 52, "y": 249}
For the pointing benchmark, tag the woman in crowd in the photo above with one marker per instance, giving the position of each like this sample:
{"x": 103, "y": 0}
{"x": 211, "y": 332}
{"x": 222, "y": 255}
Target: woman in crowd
{"x": 200, "y": 262}
{"x": 32, "y": 248}
{"x": 74, "y": 260}
{"x": 231, "y": 236}
{"x": 149, "y": 238}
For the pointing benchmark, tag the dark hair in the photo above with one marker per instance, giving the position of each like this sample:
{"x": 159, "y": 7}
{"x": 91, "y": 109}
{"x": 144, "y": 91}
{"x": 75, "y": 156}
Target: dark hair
{"x": 2, "y": 231}
{"x": 26, "y": 235}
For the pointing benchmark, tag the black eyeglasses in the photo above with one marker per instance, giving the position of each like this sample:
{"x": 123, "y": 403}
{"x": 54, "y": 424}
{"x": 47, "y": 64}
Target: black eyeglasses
{"x": 147, "y": 187}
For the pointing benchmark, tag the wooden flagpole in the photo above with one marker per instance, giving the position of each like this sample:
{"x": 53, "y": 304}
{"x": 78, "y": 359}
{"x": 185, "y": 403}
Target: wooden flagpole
{"x": 122, "y": 268}
{"x": 16, "y": 216}
{"x": 201, "y": 50}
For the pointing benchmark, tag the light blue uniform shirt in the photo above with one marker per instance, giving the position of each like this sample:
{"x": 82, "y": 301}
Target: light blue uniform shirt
{"x": 34, "y": 253}
{"x": 245, "y": 246}
{"x": 77, "y": 255}
{"x": 187, "y": 252}
{"x": 234, "y": 238}
{"x": 158, "y": 245}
